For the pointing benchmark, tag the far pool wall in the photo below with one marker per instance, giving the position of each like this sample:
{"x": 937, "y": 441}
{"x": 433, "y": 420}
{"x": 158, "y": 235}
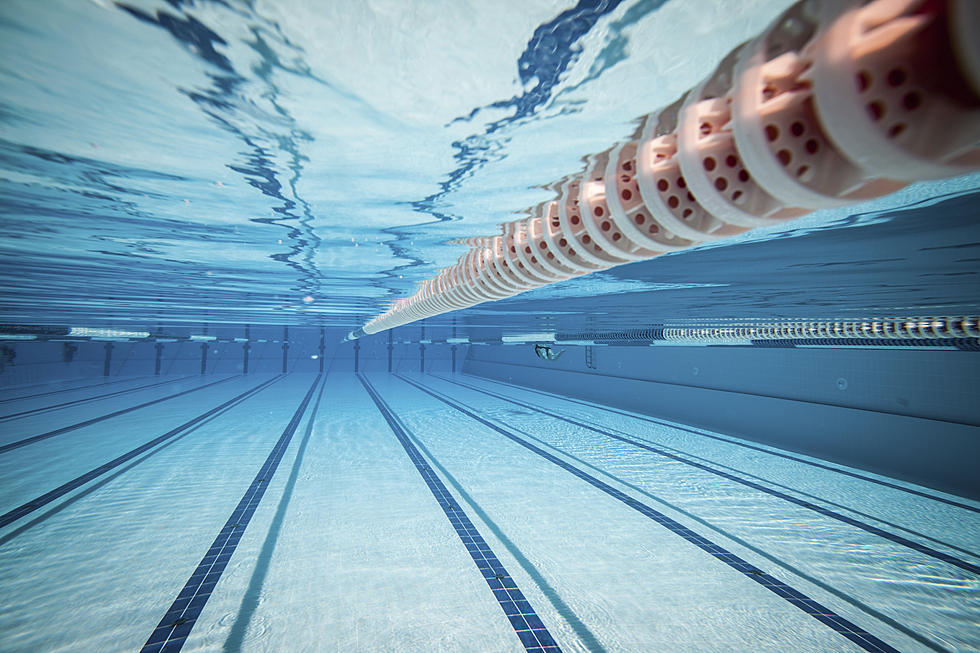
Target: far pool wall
{"x": 408, "y": 355}
{"x": 912, "y": 415}
{"x": 40, "y": 361}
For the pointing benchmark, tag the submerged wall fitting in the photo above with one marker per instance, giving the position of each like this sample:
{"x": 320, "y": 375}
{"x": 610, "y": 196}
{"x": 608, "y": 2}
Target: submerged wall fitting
{"x": 837, "y": 102}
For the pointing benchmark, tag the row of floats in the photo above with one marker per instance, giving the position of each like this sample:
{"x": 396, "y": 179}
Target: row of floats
{"x": 837, "y": 102}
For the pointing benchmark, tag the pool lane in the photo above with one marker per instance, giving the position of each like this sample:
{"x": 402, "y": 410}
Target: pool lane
{"x": 30, "y": 471}
{"x": 362, "y": 558}
{"x": 39, "y": 502}
{"x": 98, "y": 573}
{"x": 627, "y": 438}
{"x": 61, "y": 387}
{"x": 608, "y": 412}
{"x": 925, "y": 599}
{"x": 15, "y": 434}
{"x": 864, "y": 494}
{"x": 633, "y": 583}
{"x": 794, "y": 597}
{"x": 348, "y": 550}
{"x": 178, "y": 621}
{"x": 24, "y": 410}
{"x": 525, "y": 621}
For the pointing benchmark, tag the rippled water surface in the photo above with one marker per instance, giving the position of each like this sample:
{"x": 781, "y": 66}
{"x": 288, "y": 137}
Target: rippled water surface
{"x": 307, "y": 162}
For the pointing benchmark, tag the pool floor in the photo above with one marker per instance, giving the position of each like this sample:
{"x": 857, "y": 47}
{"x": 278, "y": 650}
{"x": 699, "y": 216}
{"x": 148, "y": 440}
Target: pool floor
{"x": 443, "y": 512}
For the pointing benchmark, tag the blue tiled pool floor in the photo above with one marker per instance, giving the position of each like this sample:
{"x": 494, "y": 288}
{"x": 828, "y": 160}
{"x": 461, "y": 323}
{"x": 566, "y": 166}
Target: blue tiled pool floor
{"x": 651, "y": 538}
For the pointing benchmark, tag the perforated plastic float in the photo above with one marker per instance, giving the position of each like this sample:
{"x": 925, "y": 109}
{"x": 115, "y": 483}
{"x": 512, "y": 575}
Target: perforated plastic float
{"x": 837, "y": 102}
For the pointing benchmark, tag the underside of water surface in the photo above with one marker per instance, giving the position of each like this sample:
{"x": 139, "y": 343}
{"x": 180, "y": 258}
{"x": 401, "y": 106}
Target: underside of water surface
{"x": 766, "y": 441}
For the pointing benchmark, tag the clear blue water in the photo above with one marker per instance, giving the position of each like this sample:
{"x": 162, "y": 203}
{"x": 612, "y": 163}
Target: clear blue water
{"x": 203, "y": 162}
{"x": 192, "y": 167}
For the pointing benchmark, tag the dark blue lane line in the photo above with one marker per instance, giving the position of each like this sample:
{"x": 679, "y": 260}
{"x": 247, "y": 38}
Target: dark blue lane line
{"x": 129, "y": 379}
{"x": 587, "y": 637}
{"x": 42, "y": 409}
{"x": 46, "y": 498}
{"x": 826, "y": 512}
{"x": 65, "y": 429}
{"x": 172, "y": 631}
{"x": 738, "y": 443}
{"x": 253, "y": 593}
{"x": 528, "y": 626}
{"x": 824, "y": 615}
{"x": 875, "y": 614}
{"x": 768, "y": 482}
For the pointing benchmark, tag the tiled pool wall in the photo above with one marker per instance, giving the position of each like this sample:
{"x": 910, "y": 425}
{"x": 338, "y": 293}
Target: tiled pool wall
{"x": 908, "y": 414}
{"x": 269, "y": 349}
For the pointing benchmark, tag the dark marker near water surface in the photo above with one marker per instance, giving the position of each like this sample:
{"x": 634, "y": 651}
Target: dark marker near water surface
{"x": 546, "y": 353}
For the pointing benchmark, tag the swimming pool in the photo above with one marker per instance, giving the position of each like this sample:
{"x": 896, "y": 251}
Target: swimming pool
{"x": 765, "y": 443}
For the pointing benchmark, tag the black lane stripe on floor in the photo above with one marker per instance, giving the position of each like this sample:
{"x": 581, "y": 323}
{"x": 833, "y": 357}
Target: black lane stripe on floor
{"x": 129, "y": 379}
{"x": 74, "y": 402}
{"x": 824, "y": 615}
{"x": 528, "y": 626}
{"x": 172, "y": 631}
{"x": 826, "y": 512}
{"x": 739, "y": 443}
{"x": 65, "y": 429}
{"x": 46, "y": 498}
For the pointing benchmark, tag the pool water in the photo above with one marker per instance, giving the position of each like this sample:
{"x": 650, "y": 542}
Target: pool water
{"x": 200, "y": 198}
